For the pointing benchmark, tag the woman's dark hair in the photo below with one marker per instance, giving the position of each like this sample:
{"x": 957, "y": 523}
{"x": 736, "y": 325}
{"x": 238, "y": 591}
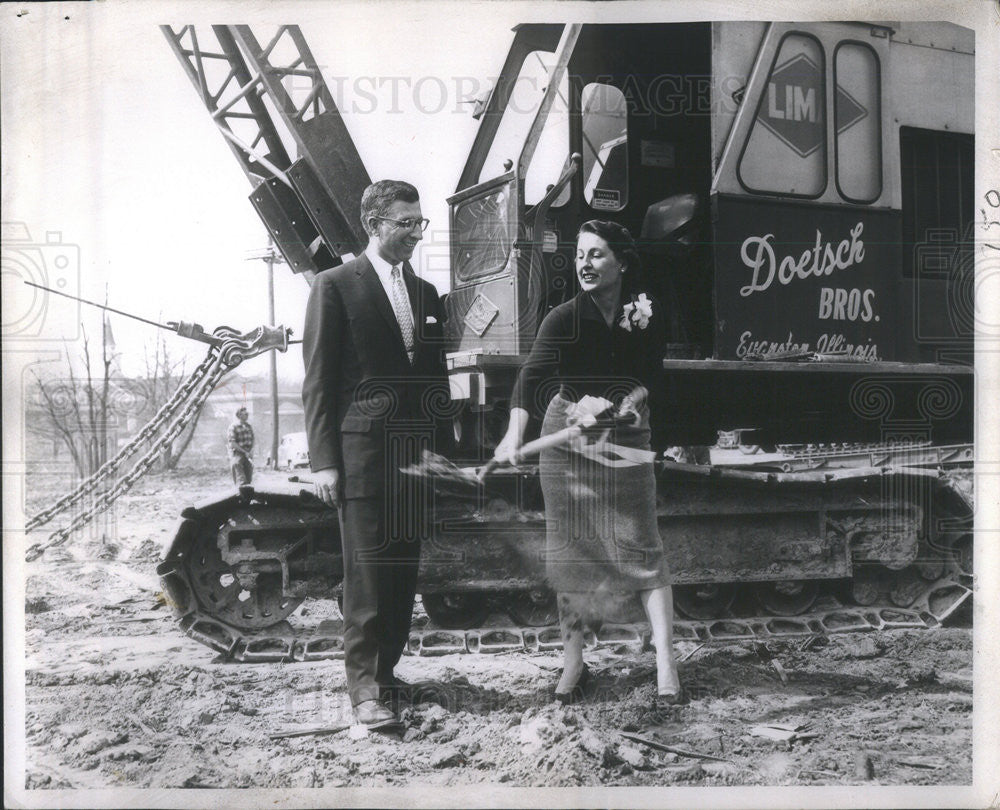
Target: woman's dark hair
{"x": 622, "y": 246}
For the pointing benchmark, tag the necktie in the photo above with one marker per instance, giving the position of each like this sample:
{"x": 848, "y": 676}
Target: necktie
{"x": 402, "y": 309}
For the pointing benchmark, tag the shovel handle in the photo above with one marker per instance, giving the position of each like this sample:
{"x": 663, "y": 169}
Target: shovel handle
{"x": 533, "y": 448}
{"x": 556, "y": 439}
{"x": 632, "y": 400}
{"x": 487, "y": 468}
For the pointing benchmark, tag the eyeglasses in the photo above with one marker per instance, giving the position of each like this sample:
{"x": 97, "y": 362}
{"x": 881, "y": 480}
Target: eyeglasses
{"x": 407, "y": 224}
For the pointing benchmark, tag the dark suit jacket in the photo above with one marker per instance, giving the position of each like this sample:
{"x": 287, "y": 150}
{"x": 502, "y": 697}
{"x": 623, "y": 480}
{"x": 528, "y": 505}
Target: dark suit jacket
{"x": 358, "y": 380}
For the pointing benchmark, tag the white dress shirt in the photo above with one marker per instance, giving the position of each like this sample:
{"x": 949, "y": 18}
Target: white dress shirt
{"x": 384, "y": 272}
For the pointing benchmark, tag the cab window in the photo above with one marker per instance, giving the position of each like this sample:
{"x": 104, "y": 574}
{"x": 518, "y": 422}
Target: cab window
{"x": 785, "y": 151}
{"x": 605, "y": 147}
{"x": 857, "y": 116}
{"x": 938, "y": 175}
{"x": 552, "y": 151}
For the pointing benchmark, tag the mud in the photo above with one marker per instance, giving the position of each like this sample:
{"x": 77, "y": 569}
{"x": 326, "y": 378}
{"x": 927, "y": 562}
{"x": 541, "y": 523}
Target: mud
{"x": 116, "y": 696}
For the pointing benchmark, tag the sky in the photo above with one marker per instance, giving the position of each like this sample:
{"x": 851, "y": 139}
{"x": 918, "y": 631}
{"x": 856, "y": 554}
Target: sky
{"x": 118, "y": 157}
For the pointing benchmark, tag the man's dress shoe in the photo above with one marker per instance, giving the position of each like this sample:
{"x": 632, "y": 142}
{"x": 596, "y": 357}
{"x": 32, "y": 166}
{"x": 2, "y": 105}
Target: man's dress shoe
{"x": 373, "y": 715}
{"x": 394, "y": 690}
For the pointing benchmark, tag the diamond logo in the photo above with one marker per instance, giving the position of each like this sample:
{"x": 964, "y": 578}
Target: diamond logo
{"x": 793, "y": 107}
{"x": 793, "y": 104}
{"x": 480, "y": 314}
{"x": 847, "y": 111}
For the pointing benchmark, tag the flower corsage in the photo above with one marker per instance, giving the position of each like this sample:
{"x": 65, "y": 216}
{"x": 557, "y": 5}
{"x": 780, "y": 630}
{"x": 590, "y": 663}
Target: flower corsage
{"x": 636, "y": 313}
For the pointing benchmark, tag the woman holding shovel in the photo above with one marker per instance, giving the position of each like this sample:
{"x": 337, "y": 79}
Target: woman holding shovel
{"x": 590, "y": 357}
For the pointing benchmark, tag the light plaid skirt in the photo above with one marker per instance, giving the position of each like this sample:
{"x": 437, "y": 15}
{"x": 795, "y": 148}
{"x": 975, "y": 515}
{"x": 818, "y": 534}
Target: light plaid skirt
{"x": 601, "y": 532}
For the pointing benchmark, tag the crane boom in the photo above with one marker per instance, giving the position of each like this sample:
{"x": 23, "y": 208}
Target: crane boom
{"x": 278, "y": 117}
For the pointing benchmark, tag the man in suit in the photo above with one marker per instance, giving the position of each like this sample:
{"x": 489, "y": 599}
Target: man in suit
{"x": 374, "y": 371}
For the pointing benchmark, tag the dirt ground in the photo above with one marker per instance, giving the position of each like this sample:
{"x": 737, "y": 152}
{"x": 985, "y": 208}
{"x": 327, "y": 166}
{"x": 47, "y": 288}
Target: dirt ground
{"x": 116, "y": 696}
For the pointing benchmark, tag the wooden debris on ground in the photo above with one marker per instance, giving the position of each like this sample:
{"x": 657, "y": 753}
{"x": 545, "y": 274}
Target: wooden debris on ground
{"x": 765, "y": 655}
{"x": 689, "y": 653}
{"x": 930, "y": 763}
{"x": 669, "y": 748}
{"x": 784, "y": 732}
{"x": 305, "y": 732}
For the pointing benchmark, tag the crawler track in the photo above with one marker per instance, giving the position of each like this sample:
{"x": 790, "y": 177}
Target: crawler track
{"x": 239, "y": 569}
{"x": 934, "y": 606}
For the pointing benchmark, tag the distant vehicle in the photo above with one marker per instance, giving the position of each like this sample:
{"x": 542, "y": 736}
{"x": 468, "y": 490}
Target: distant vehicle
{"x": 293, "y": 451}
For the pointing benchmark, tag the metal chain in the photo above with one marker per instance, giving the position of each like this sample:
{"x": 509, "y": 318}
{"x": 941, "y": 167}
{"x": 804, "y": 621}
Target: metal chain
{"x": 228, "y": 349}
{"x": 149, "y": 429}
{"x": 218, "y": 370}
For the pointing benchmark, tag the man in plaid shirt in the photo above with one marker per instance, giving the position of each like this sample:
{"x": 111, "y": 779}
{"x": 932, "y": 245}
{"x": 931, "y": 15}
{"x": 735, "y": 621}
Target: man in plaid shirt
{"x": 240, "y": 441}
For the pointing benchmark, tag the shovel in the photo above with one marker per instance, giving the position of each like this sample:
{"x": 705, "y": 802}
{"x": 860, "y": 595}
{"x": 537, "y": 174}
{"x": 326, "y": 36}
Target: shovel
{"x": 436, "y": 466}
{"x": 607, "y": 419}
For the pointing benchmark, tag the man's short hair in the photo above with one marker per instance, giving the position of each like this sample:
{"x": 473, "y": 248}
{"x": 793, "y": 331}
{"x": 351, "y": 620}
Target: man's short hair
{"x": 380, "y": 195}
{"x": 241, "y": 410}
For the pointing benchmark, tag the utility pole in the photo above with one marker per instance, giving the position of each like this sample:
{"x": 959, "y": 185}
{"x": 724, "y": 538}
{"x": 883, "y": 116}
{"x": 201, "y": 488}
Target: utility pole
{"x": 271, "y": 257}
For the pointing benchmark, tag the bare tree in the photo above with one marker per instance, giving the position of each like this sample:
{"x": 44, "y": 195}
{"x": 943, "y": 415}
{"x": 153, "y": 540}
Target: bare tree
{"x": 84, "y": 410}
{"x": 75, "y": 409}
{"x": 164, "y": 375}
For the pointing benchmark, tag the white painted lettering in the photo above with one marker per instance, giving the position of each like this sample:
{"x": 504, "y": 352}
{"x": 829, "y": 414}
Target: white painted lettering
{"x": 827, "y": 343}
{"x": 772, "y": 105}
{"x": 825, "y": 303}
{"x": 836, "y": 343}
{"x": 842, "y": 260}
{"x": 857, "y": 246}
{"x": 853, "y": 304}
{"x": 839, "y": 300}
{"x": 868, "y": 311}
{"x": 821, "y": 260}
{"x": 764, "y": 253}
{"x": 786, "y": 270}
{"x": 805, "y": 105}
{"x": 750, "y": 346}
{"x": 846, "y": 305}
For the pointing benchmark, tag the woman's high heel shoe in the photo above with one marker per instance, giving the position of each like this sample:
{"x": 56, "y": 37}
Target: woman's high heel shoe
{"x": 575, "y": 695}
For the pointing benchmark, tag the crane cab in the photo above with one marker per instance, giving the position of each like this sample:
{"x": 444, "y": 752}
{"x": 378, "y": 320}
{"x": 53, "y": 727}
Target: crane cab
{"x": 793, "y": 190}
